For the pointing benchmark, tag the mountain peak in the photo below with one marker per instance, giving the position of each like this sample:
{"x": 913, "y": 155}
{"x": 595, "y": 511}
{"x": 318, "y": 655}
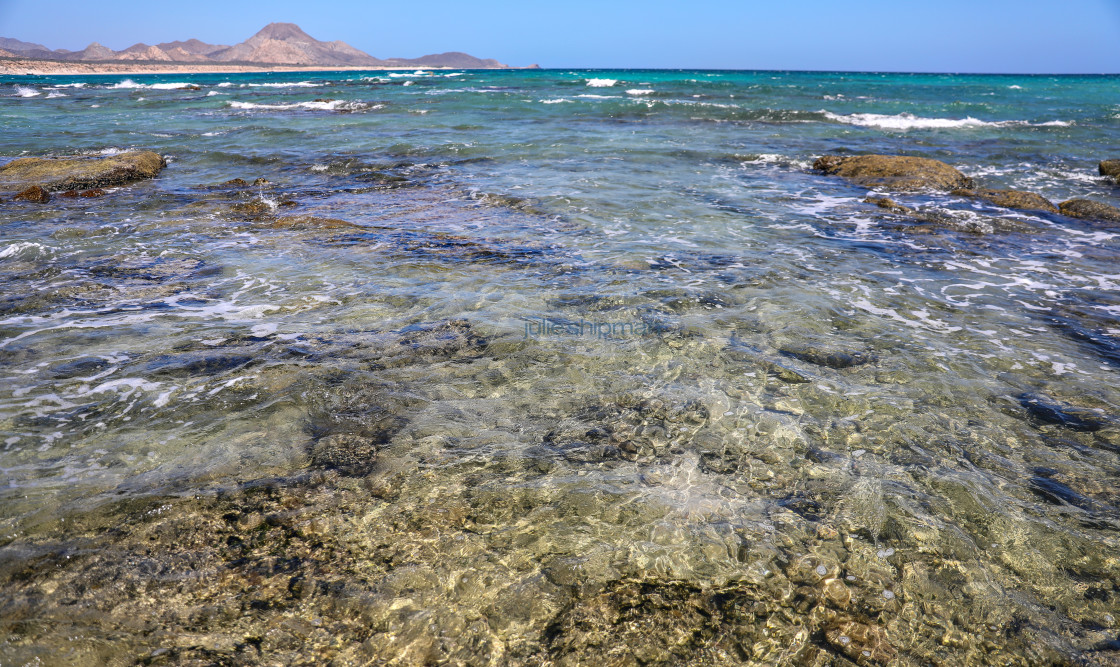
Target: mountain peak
{"x": 284, "y": 32}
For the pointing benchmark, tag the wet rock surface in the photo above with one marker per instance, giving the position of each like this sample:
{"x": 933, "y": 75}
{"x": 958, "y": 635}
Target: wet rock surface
{"x": 82, "y": 173}
{"x": 1110, "y": 168}
{"x": 1017, "y": 199}
{"x": 894, "y": 172}
{"x": 1090, "y": 210}
{"x": 34, "y": 194}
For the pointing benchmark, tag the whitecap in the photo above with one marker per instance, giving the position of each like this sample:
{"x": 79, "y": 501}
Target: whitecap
{"x": 908, "y": 121}
{"x": 297, "y": 84}
{"x": 640, "y": 91}
{"x": 333, "y": 105}
{"x": 1014, "y": 87}
{"x": 601, "y": 83}
{"x": 54, "y": 93}
{"x": 555, "y": 101}
{"x": 25, "y": 91}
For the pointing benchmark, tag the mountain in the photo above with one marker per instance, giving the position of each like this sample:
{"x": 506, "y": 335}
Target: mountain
{"x": 16, "y": 46}
{"x": 275, "y": 44}
{"x": 286, "y": 43}
{"x": 453, "y": 59}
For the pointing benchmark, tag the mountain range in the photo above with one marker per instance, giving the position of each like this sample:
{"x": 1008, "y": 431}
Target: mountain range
{"x": 275, "y": 44}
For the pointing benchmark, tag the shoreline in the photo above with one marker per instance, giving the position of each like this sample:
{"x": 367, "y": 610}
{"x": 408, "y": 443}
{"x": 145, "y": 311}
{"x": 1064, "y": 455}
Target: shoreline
{"x": 31, "y": 67}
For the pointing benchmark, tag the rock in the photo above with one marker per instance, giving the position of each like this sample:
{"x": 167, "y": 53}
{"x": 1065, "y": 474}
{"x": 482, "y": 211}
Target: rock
{"x": 821, "y": 356}
{"x": 350, "y": 454}
{"x": 309, "y": 222}
{"x": 1018, "y": 199}
{"x": 252, "y": 209}
{"x": 894, "y": 172}
{"x": 1056, "y": 493}
{"x": 889, "y": 204}
{"x": 1110, "y": 168}
{"x": 1089, "y": 210}
{"x": 862, "y": 643}
{"x": 35, "y": 194}
{"x": 235, "y": 183}
{"x": 262, "y": 181}
{"x": 1050, "y": 411}
{"x": 81, "y": 173}
{"x": 837, "y": 593}
{"x": 88, "y": 194}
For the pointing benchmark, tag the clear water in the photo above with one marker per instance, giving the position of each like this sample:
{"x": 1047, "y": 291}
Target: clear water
{"x": 584, "y": 319}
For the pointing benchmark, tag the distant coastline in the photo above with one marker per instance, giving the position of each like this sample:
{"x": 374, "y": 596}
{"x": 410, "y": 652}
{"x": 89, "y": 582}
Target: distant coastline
{"x": 32, "y": 67}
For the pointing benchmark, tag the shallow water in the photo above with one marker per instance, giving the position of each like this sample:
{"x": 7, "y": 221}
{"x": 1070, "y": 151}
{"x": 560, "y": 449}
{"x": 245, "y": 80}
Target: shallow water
{"x": 559, "y": 367}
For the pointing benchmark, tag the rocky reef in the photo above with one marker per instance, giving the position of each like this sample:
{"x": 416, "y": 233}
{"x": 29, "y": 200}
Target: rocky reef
{"x": 80, "y": 173}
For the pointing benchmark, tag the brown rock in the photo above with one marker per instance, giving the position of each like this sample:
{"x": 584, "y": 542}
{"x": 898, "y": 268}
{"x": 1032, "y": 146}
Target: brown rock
{"x": 1027, "y": 201}
{"x": 69, "y": 194}
{"x": 1089, "y": 210}
{"x": 235, "y": 183}
{"x": 350, "y": 454}
{"x": 261, "y": 181}
{"x": 889, "y": 204}
{"x": 35, "y": 194}
{"x": 81, "y": 173}
{"x": 894, "y": 172}
{"x": 837, "y": 593}
{"x": 309, "y": 222}
{"x": 865, "y": 644}
{"x": 1110, "y": 168}
{"x": 90, "y": 194}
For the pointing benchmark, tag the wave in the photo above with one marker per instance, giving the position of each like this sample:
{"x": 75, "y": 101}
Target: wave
{"x": 317, "y": 105}
{"x": 907, "y": 121}
{"x": 54, "y": 93}
{"x": 129, "y": 84}
{"x": 297, "y": 84}
{"x": 25, "y": 91}
{"x": 601, "y": 83}
{"x": 555, "y": 101}
{"x": 640, "y": 91}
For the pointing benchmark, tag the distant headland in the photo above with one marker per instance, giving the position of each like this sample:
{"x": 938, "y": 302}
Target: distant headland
{"x": 278, "y": 46}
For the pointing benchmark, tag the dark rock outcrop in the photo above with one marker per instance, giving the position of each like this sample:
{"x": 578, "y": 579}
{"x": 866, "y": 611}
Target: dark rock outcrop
{"x": 35, "y": 194}
{"x": 1027, "y": 201}
{"x": 894, "y": 172}
{"x": 889, "y": 204}
{"x": 81, "y": 173}
{"x": 1110, "y": 168}
{"x": 1089, "y": 210}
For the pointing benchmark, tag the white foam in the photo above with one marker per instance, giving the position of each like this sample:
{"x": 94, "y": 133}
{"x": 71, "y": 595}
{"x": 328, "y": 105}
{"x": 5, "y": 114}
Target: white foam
{"x": 907, "y": 121}
{"x": 1014, "y": 87}
{"x": 23, "y": 248}
{"x": 408, "y": 83}
{"x": 333, "y": 105}
{"x": 601, "y": 83}
{"x": 225, "y": 84}
{"x": 640, "y": 91}
{"x": 54, "y": 93}
{"x": 297, "y": 84}
{"x": 25, "y": 91}
{"x": 214, "y": 92}
{"x": 556, "y": 101}
{"x": 70, "y": 85}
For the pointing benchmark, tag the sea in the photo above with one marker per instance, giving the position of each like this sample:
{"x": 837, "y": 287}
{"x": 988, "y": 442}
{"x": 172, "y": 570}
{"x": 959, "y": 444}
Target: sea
{"x": 559, "y": 367}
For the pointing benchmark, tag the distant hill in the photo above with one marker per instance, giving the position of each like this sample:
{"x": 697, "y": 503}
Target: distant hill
{"x": 275, "y": 44}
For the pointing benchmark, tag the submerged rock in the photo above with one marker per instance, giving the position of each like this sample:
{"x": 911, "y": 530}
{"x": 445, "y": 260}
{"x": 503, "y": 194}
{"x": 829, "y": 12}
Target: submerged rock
{"x": 87, "y": 194}
{"x": 82, "y": 173}
{"x": 350, "y": 454}
{"x": 1017, "y": 199}
{"x": 1089, "y": 210}
{"x": 308, "y": 221}
{"x": 1050, "y": 411}
{"x": 1110, "y": 168}
{"x": 35, "y": 194}
{"x": 894, "y": 172}
{"x": 865, "y": 644}
{"x": 826, "y": 356}
{"x": 889, "y": 204}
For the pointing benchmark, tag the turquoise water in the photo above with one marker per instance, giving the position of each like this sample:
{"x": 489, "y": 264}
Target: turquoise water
{"x": 524, "y": 367}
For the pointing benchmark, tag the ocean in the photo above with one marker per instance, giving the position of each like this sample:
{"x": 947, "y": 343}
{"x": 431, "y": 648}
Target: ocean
{"x": 558, "y": 367}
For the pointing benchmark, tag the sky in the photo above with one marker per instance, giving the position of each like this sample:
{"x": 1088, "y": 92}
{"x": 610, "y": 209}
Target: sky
{"x": 1023, "y": 36}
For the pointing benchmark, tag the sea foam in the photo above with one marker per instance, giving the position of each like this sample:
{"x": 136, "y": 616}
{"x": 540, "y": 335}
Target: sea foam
{"x": 25, "y": 91}
{"x": 907, "y": 121}
{"x": 601, "y": 83}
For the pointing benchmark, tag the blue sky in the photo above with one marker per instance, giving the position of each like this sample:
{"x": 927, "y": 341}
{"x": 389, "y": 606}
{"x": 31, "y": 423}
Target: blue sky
{"x": 875, "y": 35}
